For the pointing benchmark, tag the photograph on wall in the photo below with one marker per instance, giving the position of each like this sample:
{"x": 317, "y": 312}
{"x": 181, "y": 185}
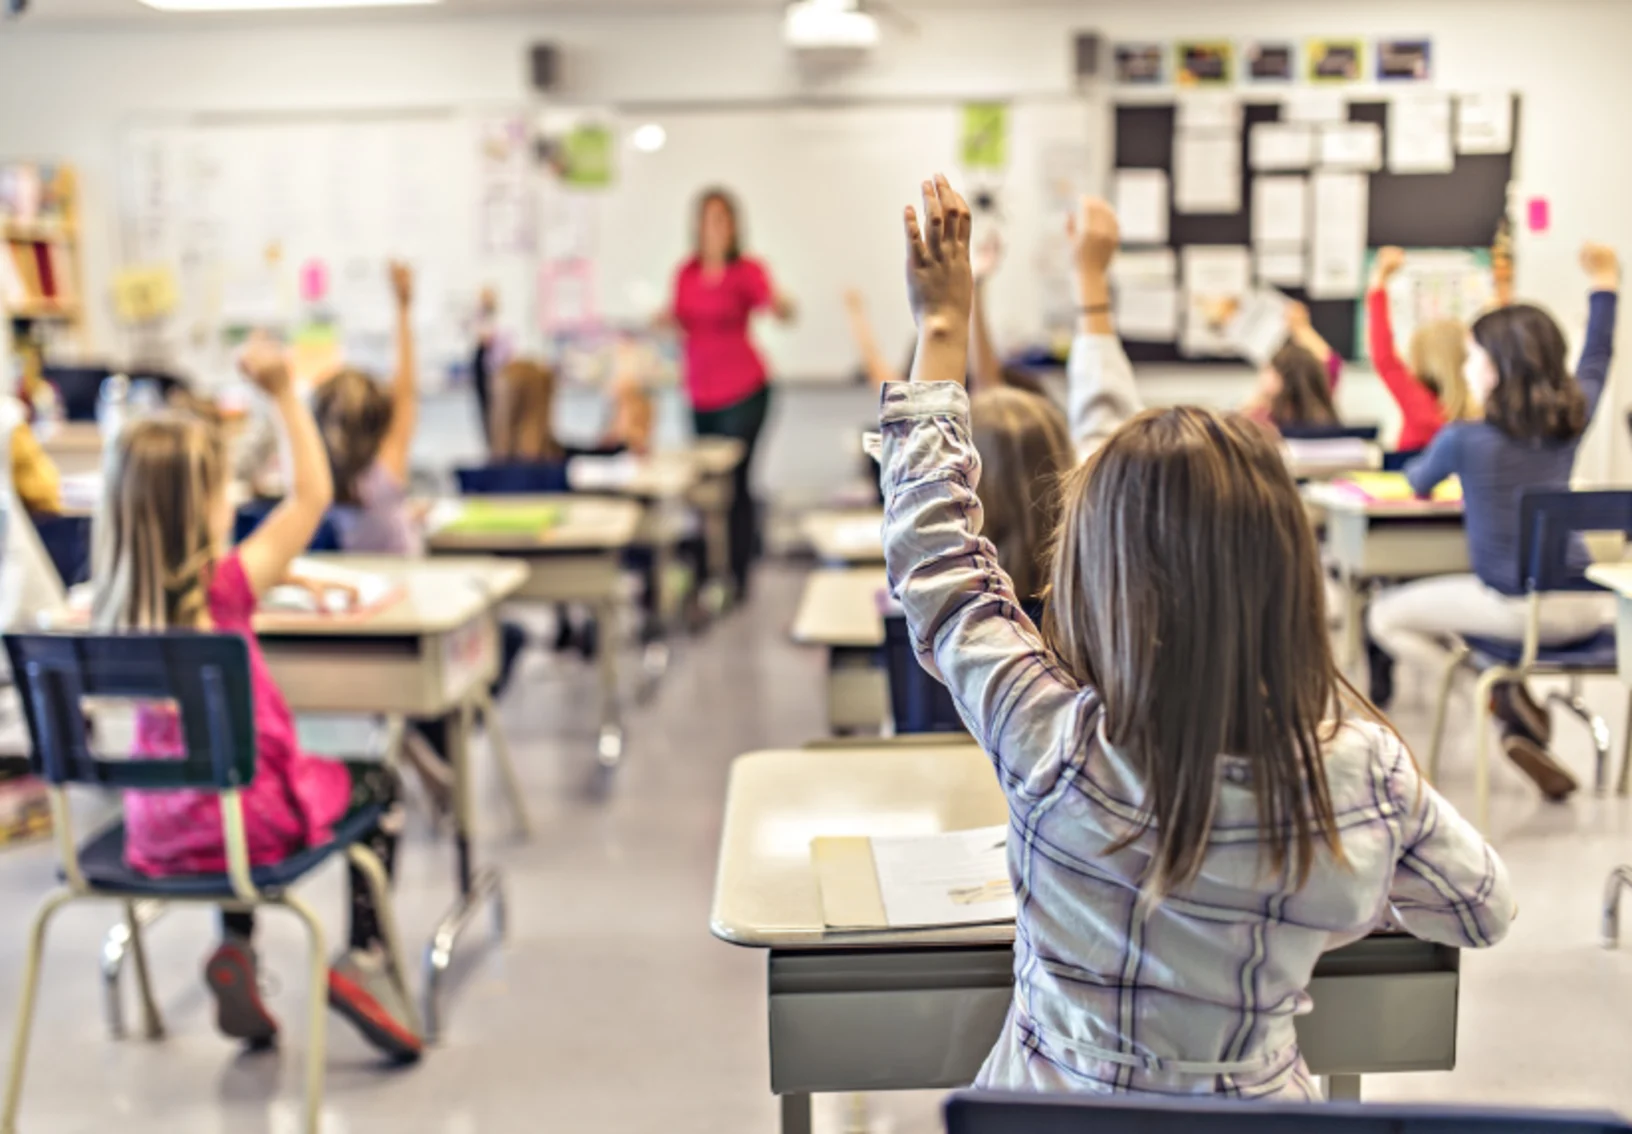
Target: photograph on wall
{"x": 1404, "y": 60}
{"x": 1335, "y": 60}
{"x": 1269, "y": 60}
{"x": 1139, "y": 64}
{"x": 1204, "y": 64}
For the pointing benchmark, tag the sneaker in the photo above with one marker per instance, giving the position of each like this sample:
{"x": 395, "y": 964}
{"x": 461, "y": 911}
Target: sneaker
{"x": 1511, "y": 703}
{"x": 361, "y": 989}
{"x": 1553, "y": 778}
{"x": 233, "y": 979}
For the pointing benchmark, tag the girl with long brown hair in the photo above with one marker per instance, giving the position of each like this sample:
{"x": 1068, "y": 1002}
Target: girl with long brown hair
{"x": 1199, "y": 806}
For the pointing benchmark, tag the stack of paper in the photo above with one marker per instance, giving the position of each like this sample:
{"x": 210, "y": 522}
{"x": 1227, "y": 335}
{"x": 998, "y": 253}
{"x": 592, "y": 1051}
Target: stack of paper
{"x": 1392, "y": 487}
{"x": 502, "y": 517}
{"x": 317, "y": 587}
{"x": 909, "y": 882}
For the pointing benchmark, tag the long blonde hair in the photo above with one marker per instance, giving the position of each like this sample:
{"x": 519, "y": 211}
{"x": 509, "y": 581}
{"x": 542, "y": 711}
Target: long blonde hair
{"x": 1438, "y": 351}
{"x": 524, "y": 413}
{"x": 1025, "y": 450}
{"x": 353, "y": 414}
{"x": 154, "y": 547}
{"x": 1187, "y": 589}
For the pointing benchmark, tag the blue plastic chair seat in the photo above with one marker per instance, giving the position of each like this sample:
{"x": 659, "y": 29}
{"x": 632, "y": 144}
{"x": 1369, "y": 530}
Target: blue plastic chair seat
{"x": 102, "y": 861}
{"x": 1596, "y": 652}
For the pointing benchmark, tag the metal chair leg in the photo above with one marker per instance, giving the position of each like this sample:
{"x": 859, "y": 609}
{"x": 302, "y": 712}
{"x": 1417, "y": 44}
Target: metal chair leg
{"x": 500, "y": 745}
{"x": 1481, "y": 752}
{"x": 1577, "y": 706}
{"x": 317, "y": 1013}
{"x": 379, "y": 886}
{"x": 25, "y": 1008}
{"x": 152, "y": 1023}
{"x": 1622, "y": 783}
{"x": 1447, "y": 682}
{"x": 1619, "y": 879}
{"x": 609, "y": 750}
{"x": 114, "y": 951}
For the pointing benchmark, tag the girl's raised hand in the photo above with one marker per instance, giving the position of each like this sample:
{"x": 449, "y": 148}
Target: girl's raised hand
{"x": 1094, "y": 234}
{"x": 1602, "y": 266}
{"x": 940, "y": 282}
{"x": 402, "y": 283}
{"x": 264, "y": 363}
{"x": 1389, "y": 261}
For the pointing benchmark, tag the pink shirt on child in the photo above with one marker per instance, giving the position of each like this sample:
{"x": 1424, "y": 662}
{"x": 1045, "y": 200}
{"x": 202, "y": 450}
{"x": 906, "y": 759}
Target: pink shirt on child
{"x": 722, "y": 366}
{"x": 293, "y": 800}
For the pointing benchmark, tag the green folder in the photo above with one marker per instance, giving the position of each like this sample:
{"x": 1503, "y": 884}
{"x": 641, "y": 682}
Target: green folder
{"x": 491, "y": 517}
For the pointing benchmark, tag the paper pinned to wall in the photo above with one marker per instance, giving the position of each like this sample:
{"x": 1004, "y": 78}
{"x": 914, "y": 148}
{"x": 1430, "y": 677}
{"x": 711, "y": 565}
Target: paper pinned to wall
{"x": 1484, "y": 123}
{"x": 1281, "y": 145}
{"x": 1150, "y": 265}
{"x": 1313, "y": 105}
{"x": 1147, "y": 311}
{"x": 1141, "y": 201}
{"x": 1207, "y": 173}
{"x": 1352, "y": 145}
{"x": 1216, "y": 280}
{"x": 1283, "y": 267}
{"x": 1419, "y": 133}
{"x": 1280, "y": 209}
{"x": 1338, "y": 234}
{"x": 1208, "y": 110}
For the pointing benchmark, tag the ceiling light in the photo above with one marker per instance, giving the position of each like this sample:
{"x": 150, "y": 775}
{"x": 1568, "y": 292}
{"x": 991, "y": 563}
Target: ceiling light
{"x": 276, "y": 5}
{"x": 648, "y": 139}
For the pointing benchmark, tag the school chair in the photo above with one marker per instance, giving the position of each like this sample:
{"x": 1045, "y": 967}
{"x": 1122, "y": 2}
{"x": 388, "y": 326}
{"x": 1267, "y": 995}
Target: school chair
{"x": 1396, "y": 461}
{"x": 61, "y": 678}
{"x": 78, "y": 388}
{"x": 1548, "y": 521}
{"x": 918, "y": 702}
{"x": 67, "y": 541}
{"x": 251, "y": 515}
{"x": 1619, "y": 879}
{"x": 982, "y": 1112}
{"x": 513, "y": 480}
{"x": 1329, "y": 432}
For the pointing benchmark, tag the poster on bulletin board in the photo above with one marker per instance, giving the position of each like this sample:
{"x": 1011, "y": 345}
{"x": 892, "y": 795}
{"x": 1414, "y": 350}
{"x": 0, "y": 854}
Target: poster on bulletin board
{"x": 1269, "y": 61}
{"x": 1204, "y": 64}
{"x": 1334, "y": 60}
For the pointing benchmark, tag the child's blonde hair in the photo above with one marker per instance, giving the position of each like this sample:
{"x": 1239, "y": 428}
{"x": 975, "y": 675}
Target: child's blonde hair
{"x": 1187, "y": 590}
{"x": 524, "y": 413}
{"x": 1439, "y": 350}
{"x": 154, "y": 546}
{"x": 353, "y": 414}
{"x": 1025, "y": 449}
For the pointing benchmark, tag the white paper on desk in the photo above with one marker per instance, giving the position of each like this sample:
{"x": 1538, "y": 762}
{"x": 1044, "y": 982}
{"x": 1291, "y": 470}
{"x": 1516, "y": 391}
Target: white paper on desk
{"x": 1484, "y": 123}
{"x": 1337, "y": 245}
{"x": 1207, "y": 173}
{"x": 1259, "y": 327}
{"x": 956, "y": 878}
{"x": 1280, "y": 209}
{"x": 1216, "y": 281}
{"x": 1147, "y": 312}
{"x": 1147, "y": 265}
{"x": 1141, "y": 201}
{"x": 589, "y": 473}
{"x": 1313, "y": 105}
{"x": 1419, "y": 133}
{"x": 1351, "y": 145}
{"x": 329, "y": 589}
{"x": 1208, "y": 110}
{"x": 1284, "y": 267}
{"x": 1281, "y": 145}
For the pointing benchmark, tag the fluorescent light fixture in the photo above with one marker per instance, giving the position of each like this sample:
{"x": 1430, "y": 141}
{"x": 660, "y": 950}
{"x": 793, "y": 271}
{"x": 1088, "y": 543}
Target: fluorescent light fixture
{"x": 819, "y": 24}
{"x": 648, "y": 139}
{"x": 276, "y": 5}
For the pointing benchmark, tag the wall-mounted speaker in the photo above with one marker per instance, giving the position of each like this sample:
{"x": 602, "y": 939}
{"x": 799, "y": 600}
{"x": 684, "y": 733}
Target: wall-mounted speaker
{"x": 546, "y": 67}
{"x": 1087, "y": 51}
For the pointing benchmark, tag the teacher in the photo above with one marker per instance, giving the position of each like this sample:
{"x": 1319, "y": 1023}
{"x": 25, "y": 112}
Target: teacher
{"x": 716, "y": 292}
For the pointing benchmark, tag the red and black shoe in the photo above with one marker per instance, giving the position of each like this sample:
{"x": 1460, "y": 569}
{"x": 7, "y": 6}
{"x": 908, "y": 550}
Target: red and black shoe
{"x": 361, "y": 989}
{"x": 234, "y": 980}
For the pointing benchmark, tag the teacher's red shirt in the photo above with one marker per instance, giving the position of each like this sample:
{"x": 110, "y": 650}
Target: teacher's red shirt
{"x": 722, "y": 366}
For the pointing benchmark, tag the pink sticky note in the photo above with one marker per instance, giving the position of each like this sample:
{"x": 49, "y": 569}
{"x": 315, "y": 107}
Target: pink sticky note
{"x": 1540, "y": 214}
{"x": 314, "y": 281}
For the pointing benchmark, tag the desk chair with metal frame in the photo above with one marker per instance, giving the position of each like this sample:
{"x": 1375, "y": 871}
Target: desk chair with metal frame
{"x": 1548, "y": 521}
{"x": 982, "y": 1112}
{"x": 206, "y": 677}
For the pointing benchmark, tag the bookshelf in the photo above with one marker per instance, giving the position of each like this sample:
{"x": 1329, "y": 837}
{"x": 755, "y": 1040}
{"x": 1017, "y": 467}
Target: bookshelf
{"x": 40, "y": 262}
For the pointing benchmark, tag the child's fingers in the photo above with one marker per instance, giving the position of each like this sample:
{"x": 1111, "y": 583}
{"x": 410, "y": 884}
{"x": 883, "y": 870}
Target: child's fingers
{"x": 959, "y": 223}
{"x": 934, "y": 222}
{"x": 915, "y": 244}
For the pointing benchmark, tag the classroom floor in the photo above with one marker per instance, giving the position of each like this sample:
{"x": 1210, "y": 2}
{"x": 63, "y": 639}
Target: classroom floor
{"x": 611, "y": 1009}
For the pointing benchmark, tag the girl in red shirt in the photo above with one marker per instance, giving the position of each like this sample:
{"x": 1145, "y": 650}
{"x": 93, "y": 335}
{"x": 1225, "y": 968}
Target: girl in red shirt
{"x": 1431, "y": 391}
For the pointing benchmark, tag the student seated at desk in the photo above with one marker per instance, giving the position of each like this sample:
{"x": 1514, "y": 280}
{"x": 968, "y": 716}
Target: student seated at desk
{"x": 162, "y": 563}
{"x": 1295, "y": 386}
{"x": 1534, "y": 417}
{"x": 1199, "y": 807}
{"x": 1432, "y": 390}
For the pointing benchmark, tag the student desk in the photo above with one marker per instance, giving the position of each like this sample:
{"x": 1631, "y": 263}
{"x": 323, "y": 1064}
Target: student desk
{"x": 846, "y": 537}
{"x": 839, "y": 610}
{"x": 716, "y": 460}
{"x": 73, "y": 446}
{"x": 1617, "y": 577}
{"x": 578, "y": 560}
{"x": 918, "y": 1009}
{"x": 1385, "y": 539}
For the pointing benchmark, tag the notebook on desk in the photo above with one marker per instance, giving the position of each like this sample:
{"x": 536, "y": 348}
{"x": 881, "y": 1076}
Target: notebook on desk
{"x": 914, "y": 881}
{"x": 495, "y": 517}
{"x": 1392, "y": 488}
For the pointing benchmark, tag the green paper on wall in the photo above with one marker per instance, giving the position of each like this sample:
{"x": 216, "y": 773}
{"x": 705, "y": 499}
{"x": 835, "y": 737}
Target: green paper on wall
{"x": 985, "y": 135}
{"x": 586, "y": 157}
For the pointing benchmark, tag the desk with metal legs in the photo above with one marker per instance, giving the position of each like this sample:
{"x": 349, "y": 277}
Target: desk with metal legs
{"x": 839, "y": 612}
{"x": 906, "y": 1010}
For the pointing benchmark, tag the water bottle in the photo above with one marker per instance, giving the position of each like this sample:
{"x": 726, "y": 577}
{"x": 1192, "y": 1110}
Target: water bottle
{"x": 110, "y": 406}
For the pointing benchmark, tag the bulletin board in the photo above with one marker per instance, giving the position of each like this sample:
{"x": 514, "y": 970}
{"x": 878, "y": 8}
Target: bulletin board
{"x": 1460, "y": 208}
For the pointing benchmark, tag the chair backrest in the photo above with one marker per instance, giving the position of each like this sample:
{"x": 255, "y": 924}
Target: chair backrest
{"x": 531, "y": 479}
{"x": 251, "y": 515}
{"x": 1396, "y": 461}
{"x": 918, "y": 702}
{"x": 1328, "y": 432}
{"x": 976, "y": 1112}
{"x": 1549, "y": 521}
{"x": 67, "y": 540}
{"x": 206, "y": 676}
{"x": 78, "y": 387}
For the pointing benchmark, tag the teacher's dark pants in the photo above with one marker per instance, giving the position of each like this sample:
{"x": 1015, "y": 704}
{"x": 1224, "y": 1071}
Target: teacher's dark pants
{"x": 742, "y": 420}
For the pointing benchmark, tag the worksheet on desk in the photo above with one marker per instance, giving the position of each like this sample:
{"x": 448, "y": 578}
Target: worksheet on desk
{"x": 956, "y": 878}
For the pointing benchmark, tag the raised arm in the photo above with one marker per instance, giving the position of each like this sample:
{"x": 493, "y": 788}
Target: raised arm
{"x": 1100, "y": 394}
{"x": 1416, "y": 401}
{"x": 986, "y": 368}
{"x": 1603, "y": 270}
{"x": 1449, "y": 885}
{"x": 399, "y": 438}
{"x": 1302, "y": 332}
{"x": 1438, "y": 462}
{"x": 287, "y": 531}
{"x": 873, "y": 363}
{"x": 967, "y": 625}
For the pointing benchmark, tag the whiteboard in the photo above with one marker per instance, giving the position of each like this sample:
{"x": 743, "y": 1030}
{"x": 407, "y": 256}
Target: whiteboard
{"x": 242, "y": 211}
{"x": 821, "y": 191}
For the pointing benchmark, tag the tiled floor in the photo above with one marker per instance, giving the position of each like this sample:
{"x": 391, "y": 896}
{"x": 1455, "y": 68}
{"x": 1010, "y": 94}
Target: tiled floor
{"x": 611, "y": 1009}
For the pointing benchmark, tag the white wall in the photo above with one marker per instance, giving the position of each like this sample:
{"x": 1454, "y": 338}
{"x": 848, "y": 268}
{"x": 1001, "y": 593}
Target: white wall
{"x": 66, "y": 90}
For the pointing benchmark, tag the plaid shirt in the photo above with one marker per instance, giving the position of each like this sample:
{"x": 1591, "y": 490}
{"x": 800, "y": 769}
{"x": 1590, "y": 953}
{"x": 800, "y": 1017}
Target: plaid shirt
{"x": 1198, "y": 993}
